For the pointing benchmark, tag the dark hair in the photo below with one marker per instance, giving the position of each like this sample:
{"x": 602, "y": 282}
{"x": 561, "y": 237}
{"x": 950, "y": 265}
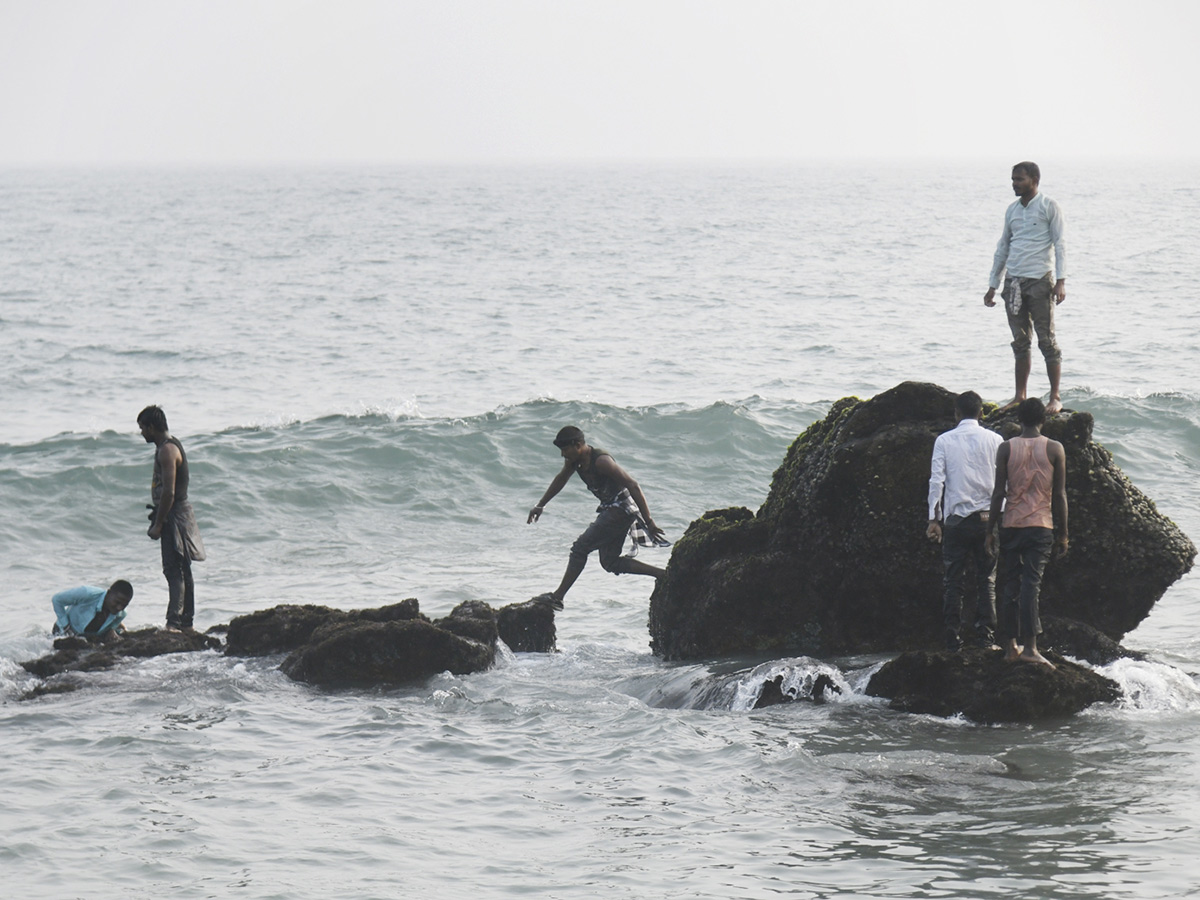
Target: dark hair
{"x": 970, "y": 404}
{"x": 1031, "y": 169}
{"x": 1031, "y": 412}
{"x": 154, "y": 417}
{"x": 122, "y": 587}
{"x": 568, "y": 435}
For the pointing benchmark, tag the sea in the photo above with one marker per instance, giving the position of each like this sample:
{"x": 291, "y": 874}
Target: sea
{"x": 367, "y": 365}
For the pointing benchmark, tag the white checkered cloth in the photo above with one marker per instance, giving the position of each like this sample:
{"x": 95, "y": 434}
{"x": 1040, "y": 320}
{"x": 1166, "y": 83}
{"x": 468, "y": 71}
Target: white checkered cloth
{"x": 639, "y": 533}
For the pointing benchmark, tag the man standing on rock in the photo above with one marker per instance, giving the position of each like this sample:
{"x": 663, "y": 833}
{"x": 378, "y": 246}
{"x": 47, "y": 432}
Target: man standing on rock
{"x": 1033, "y": 227}
{"x": 962, "y": 475}
{"x": 172, "y": 522}
{"x": 622, "y": 511}
{"x": 1031, "y": 485}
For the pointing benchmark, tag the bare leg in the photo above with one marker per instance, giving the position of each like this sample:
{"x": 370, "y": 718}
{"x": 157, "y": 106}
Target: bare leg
{"x": 1054, "y": 372}
{"x": 1021, "y": 370}
{"x": 637, "y": 567}
{"x": 574, "y": 568}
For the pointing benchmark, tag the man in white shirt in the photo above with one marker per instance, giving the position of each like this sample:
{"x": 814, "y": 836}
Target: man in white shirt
{"x": 962, "y": 476}
{"x": 1033, "y": 284}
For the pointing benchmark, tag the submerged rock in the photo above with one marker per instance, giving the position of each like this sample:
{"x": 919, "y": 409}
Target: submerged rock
{"x": 77, "y": 654}
{"x": 982, "y": 686}
{"x": 836, "y": 561}
{"x": 383, "y": 645}
{"x": 775, "y": 691}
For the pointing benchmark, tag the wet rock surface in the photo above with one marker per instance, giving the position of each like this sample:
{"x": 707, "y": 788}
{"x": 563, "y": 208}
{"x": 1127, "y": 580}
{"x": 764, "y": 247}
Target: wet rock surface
{"x": 364, "y": 653}
{"x": 836, "y": 561}
{"x": 527, "y": 627}
{"x": 385, "y": 645}
{"x": 77, "y": 654}
{"x": 983, "y": 687}
{"x": 284, "y": 628}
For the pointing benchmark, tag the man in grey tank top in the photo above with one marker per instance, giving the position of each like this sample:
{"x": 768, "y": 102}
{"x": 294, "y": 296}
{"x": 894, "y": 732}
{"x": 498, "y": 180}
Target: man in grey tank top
{"x": 172, "y": 520}
{"x": 1031, "y": 485}
{"x": 622, "y": 511}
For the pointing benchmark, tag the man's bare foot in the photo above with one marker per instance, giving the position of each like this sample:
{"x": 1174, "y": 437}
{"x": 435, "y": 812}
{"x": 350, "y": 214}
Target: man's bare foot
{"x": 1012, "y": 650}
{"x": 1054, "y": 406}
{"x": 1032, "y": 656}
{"x": 1012, "y": 404}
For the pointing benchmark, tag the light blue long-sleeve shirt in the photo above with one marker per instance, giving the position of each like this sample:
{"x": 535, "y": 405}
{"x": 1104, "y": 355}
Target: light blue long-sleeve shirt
{"x": 78, "y": 606}
{"x": 1032, "y": 234}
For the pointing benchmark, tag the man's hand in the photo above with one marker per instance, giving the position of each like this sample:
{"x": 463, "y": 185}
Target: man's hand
{"x": 1060, "y": 291}
{"x": 934, "y": 531}
{"x": 154, "y": 532}
{"x": 989, "y": 299}
{"x": 654, "y": 530}
{"x": 1061, "y": 545}
{"x": 535, "y": 514}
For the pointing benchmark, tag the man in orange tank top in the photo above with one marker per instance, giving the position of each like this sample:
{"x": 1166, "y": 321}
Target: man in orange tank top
{"x": 1031, "y": 485}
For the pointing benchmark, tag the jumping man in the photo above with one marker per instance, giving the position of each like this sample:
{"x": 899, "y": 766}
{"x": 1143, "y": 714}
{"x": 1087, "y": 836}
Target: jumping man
{"x": 622, "y": 511}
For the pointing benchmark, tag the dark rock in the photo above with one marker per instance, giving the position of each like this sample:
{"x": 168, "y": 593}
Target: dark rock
{"x": 1074, "y": 639}
{"x": 773, "y": 693}
{"x": 282, "y": 629}
{"x": 836, "y": 560}
{"x": 76, "y": 654}
{"x": 527, "y": 627}
{"x": 472, "y": 619}
{"x": 357, "y": 653}
{"x": 981, "y": 686}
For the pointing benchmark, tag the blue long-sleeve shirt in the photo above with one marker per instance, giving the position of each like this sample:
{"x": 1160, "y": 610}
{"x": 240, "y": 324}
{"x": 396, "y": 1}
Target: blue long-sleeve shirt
{"x": 77, "y": 608}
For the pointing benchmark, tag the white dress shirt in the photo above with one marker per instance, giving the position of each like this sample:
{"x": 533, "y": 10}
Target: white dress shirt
{"x": 1030, "y": 233}
{"x": 964, "y": 465}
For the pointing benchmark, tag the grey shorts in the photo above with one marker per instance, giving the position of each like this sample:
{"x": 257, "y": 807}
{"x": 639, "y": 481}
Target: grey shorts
{"x": 607, "y": 534}
{"x": 1035, "y": 315}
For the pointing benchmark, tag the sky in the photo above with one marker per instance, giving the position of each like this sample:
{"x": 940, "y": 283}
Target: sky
{"x": 294, "y": 81}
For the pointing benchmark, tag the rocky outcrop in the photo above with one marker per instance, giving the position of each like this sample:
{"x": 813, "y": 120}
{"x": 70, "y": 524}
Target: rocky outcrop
{"x": 383, "y": 645}
{"x": 983, "y": 687}
{"x": 284, "y": 628}
{"x": 77, "y": 654}
{"x": 527, "y": 627}
{"x": 836, "y": 560}
{"x": 364, "y": 653}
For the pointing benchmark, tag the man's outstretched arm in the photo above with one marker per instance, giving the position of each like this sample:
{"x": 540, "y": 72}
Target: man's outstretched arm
{"x": 559, "y": 482}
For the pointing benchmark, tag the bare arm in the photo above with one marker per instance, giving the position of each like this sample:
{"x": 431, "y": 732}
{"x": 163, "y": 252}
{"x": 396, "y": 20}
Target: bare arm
{"x": 169, "y": 459}
{"x": 998, "y": 494}
{"x": 606, "y": 465}
{"x": 559, "y": 482}
{"x": 1058, "y": 500}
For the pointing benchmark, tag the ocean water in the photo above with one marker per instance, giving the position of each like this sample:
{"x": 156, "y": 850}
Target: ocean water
{"x": 366, "y": 367}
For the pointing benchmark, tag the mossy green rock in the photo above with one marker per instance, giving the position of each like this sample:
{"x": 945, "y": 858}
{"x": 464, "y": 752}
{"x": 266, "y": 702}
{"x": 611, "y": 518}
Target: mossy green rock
{"x": 836, "y": 561}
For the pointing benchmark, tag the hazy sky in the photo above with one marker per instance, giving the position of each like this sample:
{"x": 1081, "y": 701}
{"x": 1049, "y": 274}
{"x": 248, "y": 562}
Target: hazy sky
{"x": 460, "y": 80}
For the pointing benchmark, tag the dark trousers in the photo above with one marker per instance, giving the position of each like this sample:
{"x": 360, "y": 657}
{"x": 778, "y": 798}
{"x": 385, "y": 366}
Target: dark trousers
{"x": 963, "y": 539}
{"x": 1024, "y": 553}
{"x": 181, "y": 590}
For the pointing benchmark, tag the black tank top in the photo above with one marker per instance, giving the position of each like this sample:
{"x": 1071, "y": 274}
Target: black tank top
{"x": 181, "y": 476}
{"x": 601, "y": 485}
